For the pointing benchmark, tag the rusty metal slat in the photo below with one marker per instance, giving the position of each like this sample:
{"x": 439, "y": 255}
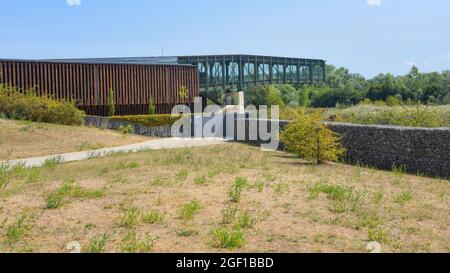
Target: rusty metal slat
{"x": 133, "y": 85}
{"x": 157, "y": 85}
{"x": 84, "y": 81}
{"x": 125, "y": 85}
{"x": 100, "y": 85}
{"x": 129, "y": 93}
{"x": 27, "y": 75}
{"x": 2, "y": 79}
{"x": 58, "y": 91}
{"x": 145, "y": 84}
{"x": 14, "y": 71}
{"x": 22, "y": 76}
{"x": 88, "y": 84}
{"x": 91, "y": 85}
{"x": 70, "y": 80}
{"x": 136, "y": 86}
{"x": 142, "y": 83}
{"x": 141, "y": 89}
{"x": 50, "y": 80}
{"x": 45, "y": 80}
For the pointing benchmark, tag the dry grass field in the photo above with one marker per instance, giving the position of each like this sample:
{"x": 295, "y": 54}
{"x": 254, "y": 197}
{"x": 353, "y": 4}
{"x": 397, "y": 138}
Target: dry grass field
{"x": 21, "y": 139}
{"x": 227, "y": 198}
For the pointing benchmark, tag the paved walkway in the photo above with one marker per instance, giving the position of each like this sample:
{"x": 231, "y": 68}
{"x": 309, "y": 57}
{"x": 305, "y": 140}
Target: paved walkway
{"x": 159, "y": 144}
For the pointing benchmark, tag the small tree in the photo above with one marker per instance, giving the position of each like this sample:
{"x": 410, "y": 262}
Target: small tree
{"x": 310, "y": 139}
{"x": 111, "y": 103}
{"x": 184, "y": 92}
{"x": 151, "y": 107}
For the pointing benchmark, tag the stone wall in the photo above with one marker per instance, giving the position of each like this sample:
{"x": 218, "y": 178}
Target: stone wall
{"x": 106, "y": 123}
{"x": 419, "y": 150}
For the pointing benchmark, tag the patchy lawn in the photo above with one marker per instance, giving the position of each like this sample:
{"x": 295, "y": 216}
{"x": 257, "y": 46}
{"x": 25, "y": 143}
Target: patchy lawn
{"x": 20, "y": 139}
{"x": 227, "y": 198}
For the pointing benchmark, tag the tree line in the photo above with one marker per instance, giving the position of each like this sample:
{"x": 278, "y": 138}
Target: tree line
{"x": 343, "y": 88}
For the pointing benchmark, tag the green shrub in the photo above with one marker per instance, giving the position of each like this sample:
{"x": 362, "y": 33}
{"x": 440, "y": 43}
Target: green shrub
{"x": 54, "y": 200}
{"x": 189, "y": 210}
{"x": 130, "y": 218}
{"x": 182, "y": 175}
{"x": 222, "y": 238}
{"x": 27, "y": 105}
{"x": 153, "y": 217}
{"x": 245, "y": 220}
{"x": 403, "y": 198}
{"x": 132, "y": 243}
{"x": 200, "y": 180}
{"x": 151, "y": 107}
{"x": 378, "y": 234}
{"x": 111, "y": 103}
{"x": 309, "y": 138}
{"x": 125, "y": 130}
{"x": 237, "y": 188}
{"x": 19, "y": 229}
{"x": 149, "y": 120}
{"x": 229, "y": 214}
{"x": 98, "y": 244}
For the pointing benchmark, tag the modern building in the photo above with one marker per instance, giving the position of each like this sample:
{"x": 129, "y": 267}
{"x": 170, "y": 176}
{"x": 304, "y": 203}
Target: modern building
{"x": 167, "y": 81}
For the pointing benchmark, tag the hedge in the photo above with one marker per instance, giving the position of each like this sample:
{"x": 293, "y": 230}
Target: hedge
{"x": 149, "y": 120}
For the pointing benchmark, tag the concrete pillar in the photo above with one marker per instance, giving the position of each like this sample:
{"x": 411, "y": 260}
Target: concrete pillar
{"x": 241, "y": 98}
{"x": 241, "y": 102}
{"x": 229, "y": 98}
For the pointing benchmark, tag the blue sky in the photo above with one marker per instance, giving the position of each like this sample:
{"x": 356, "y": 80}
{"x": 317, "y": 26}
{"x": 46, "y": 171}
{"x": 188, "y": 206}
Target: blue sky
{"x": 367, "y": 36}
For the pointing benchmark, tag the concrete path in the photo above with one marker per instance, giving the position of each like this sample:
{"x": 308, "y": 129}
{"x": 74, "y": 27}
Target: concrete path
{"x": 159, "y": 144}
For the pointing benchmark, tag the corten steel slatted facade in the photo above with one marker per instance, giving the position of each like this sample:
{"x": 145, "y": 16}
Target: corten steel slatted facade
{"x": 89, "y": 83}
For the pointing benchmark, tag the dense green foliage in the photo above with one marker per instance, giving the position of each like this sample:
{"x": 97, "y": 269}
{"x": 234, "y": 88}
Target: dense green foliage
{"x": 343, "y": 88}
{"x": 29, "y": 106}
{"x": 149, "y": 120}
{"x": 263, "y": 95}
{"x": 307, "y": 137}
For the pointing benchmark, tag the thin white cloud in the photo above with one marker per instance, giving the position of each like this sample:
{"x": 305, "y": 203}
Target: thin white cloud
{"x": 374, "y": 2}
{"x": 410, "y": 64}
{"x": 73, "y": 2}
{"x": 448, "y": 56}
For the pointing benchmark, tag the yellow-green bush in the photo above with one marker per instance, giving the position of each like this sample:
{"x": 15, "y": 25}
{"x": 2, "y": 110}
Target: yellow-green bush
{"x": 28, "y": 105}
{"x": 149, "y": 120}
{"x": 307, "y": 137}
